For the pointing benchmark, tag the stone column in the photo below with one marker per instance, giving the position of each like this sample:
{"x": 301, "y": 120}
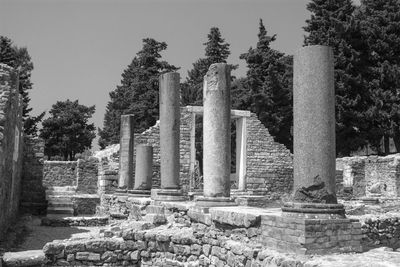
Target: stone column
{"x": 125, "y": 180}
{"x": 143, "y": 170}
{"x": 216, "y": 136}
{"x": 314, "y": 130}
{"x": 169, "y": 138}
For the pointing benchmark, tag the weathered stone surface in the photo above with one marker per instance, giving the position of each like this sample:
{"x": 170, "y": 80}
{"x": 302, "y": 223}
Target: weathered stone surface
{"x": 216, "y": 131}
{"x": 24, "y": 258}
{"x": 143, "y": 167}
{"x": 125, "y": 179}
{"x": 169, "y": 130}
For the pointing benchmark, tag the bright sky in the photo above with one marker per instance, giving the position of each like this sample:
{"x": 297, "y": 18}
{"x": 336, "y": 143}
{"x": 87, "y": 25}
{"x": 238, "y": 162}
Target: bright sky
{"x": 80, "y": 48}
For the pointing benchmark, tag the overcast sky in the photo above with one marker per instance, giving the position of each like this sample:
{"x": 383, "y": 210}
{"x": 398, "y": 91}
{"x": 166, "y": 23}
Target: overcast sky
{"x": 80, "y": 48}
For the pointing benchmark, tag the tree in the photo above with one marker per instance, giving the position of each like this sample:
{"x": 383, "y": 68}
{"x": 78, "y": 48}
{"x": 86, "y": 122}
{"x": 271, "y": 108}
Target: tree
{"x": 332, "y": 23}
{"x": 20, "y": 59}
{"x": 138, "y": 92}
{"x": 269, "y": 80}
{"x": 67, "y": 131}
{"x": 216, "y": 51}
{"x": 380, "y": 27}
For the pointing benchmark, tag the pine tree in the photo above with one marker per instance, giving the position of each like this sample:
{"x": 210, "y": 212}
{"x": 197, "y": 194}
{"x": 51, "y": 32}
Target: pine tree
{"x": 269, "y": 79}
{"x": 20, "y": 59}
{"x": 380, "y": 27}
{"x": 138, "y": 92}
{"x": 67, "y": 131}
{"x": 332, "y": 23}
{"x": 216, "y": 51}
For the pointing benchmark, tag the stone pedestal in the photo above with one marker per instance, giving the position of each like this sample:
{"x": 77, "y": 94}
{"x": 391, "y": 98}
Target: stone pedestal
{"x": 126, "y": 151}
{"x": 143, "y": 171}
{"x": 169, "y": 138}
{"x": 216, "y": 137}
{"x": 313, "y": 223}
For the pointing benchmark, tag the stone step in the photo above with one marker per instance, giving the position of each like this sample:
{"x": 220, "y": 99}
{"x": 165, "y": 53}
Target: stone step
{"x": 60, "y": 210}
{"x": 61, "y": 193}
{"x": 59, "y": 198}
{"x": 61, "y": 204}
{"x": 61, "y": 188}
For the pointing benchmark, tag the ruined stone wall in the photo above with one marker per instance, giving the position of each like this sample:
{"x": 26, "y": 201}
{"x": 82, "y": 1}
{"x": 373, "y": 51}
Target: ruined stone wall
{"x": 11, "y": 145}
{"x": 371, "y": 176}
{"x": 33, "y": 195}
{"x": 60, "y": 173}
{"x": 83, "y": 174}
{"x": 269, "y": 164}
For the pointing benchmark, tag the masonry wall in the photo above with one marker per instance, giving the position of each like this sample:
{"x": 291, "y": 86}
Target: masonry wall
{"x": 371, "y": 176}
{"x": 60, "y": 173}
{"x": 33, "y": 195}
{"x": 87, "y": 173}
{"x": 11, "y": 145}
{"x": 269, "y": 164}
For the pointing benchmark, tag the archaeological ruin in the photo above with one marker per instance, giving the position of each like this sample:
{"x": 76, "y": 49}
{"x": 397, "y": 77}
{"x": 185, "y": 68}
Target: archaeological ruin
{"x": 144, "y": 201}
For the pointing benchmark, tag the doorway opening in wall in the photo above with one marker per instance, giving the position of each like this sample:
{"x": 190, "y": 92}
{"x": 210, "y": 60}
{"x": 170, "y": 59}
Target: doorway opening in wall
{"x": 238, "y": 149}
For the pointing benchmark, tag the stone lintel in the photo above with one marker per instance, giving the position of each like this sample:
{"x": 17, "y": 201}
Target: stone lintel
{"x": 198, "y": 110}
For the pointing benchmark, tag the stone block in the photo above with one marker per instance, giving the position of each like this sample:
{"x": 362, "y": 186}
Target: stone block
{"x": 239, "y": 217}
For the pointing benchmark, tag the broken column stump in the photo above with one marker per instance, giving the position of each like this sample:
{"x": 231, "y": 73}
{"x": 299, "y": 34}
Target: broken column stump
{"x": 143, "y": 171}
{"x": 125, "y": 180}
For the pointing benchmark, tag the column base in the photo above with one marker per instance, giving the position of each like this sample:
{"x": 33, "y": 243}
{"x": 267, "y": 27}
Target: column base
{"x": 139, "y": 192}
{"x": 214, "y": 201}
{"x": 313, "y": 210}
{"x": 121, "y": 191}
{"x": 167, "y": 195}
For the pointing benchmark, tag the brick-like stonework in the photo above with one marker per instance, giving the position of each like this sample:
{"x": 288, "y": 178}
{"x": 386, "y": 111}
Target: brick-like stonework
{"x": 311, "y": 236}
{"x": 59, "y": 173}
{"x": 87, "y": 174}
{"x": 371, "y": 176}
{"x": 11, "y": 145}
{"x": 83, "y": 174}
{"x": 269, "y": 164}
{"x": 33, "y": 195}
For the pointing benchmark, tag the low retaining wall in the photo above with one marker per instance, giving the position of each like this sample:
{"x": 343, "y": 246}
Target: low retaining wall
{"x": 381, "y": 230}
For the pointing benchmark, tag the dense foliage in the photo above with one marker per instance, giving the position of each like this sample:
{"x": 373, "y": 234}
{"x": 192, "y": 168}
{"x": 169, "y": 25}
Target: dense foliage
{"x": 67, "y": 131}
{"x": 138, "y": 92}
{"x": 269, "y": 79}
{"x": 216, "y": 51}
{"x": 380, "y": 29}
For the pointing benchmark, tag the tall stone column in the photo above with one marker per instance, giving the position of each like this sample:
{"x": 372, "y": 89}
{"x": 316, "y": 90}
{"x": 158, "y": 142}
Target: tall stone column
{"x": 314, "y": 129}
{"x": 216, "y": 136}
{"x": 169, "y": 138}
{"x": 125, "y": 180}
{"x": 143, "y": 170}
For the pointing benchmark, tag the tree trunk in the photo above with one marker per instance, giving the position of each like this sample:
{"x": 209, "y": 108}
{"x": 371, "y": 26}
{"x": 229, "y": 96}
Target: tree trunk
{"x": 396, "y": 138}
{"x": 386, "y": 144}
